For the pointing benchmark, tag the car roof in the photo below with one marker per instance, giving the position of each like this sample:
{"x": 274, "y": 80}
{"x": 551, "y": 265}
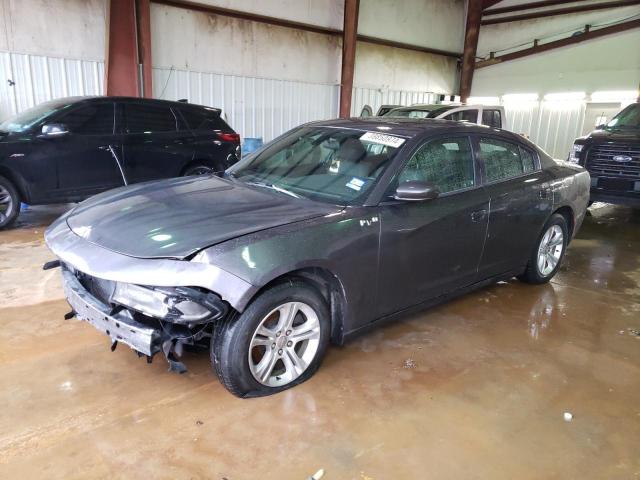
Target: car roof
{"x": 410, "y": 127}
{"x": 150, "y": 101}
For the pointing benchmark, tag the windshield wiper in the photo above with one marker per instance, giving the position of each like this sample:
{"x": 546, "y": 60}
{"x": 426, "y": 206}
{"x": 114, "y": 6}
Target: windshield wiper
{"x": 273, "y": 187}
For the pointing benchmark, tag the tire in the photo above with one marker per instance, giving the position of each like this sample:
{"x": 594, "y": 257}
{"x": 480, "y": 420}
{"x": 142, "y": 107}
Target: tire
{"x": 199, "y": 169}
{"x": 539, "y": 269}
{"x": 239, "y": 352}
{"x": 9, "y": 203}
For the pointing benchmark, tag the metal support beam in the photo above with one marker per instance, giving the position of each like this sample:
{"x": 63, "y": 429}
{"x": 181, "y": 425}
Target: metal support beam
{"x": 349, "y": 37}
{"x": 121, "y": 72}
{"x": 527, "y": 6}
{"x": 561, "y": 11}
{"x": 539, "y": 48}
{"x": 143, "y": 18}
{"x": 472, "y": 31}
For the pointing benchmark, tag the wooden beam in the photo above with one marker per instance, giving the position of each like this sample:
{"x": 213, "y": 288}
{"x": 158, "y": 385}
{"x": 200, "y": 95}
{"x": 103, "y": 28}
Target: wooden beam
{"x": 349, "y": 38}
{"x": 572, "y": 40}
{"x": 472, "y": 31}
{"x": 254, "y": 17}
{"x": 121, "y": 72}
{"x": 528, "y": 6}
{"x": 143, "y": 18}
{"x": 561, "y": 11}
{"x": 407, "y": 46}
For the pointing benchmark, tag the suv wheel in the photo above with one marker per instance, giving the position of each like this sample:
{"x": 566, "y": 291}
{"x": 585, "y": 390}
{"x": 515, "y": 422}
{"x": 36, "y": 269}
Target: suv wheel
{"x": 548, "y": 252}
{"x": 277, "y": 342}
{"x": 9, "y": 203}
{"x": 199, "y": 170}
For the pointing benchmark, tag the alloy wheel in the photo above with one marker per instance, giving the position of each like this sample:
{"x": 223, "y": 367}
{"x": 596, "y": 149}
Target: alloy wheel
{"x": 284, "y": 344}
{"x": 6, "y": 204}
{"x": 550, "y": 250}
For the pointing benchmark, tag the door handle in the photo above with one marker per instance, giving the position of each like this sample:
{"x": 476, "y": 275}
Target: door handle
{"x": 104, "y": 147}
{"x": 478, "y": 215}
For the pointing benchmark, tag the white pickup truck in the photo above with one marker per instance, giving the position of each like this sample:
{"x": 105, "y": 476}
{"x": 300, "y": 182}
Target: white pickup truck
{"x": 492, "y": 116}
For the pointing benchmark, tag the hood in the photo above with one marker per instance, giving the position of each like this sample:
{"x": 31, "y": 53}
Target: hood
{"x": 178, "y": 217}
{"x": 631, "y": 135}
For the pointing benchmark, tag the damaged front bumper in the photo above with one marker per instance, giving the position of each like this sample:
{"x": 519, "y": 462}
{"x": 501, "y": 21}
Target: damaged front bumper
{"x": 151, "y": 305}
{"x": 120, "y": 326}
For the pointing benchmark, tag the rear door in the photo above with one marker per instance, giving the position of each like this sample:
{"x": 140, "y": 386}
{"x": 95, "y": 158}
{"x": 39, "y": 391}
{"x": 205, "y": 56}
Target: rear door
{"x": 521, "y": 201}
{"x": 432, "y": 247}
{"x": 85, "y": 164}
{"x": 156, "y": 142}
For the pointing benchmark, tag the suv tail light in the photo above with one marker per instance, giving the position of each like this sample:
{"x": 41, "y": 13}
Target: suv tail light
{"x": 229, "y": 137}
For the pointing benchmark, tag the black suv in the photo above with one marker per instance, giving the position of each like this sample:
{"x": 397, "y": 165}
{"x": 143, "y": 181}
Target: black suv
{"x": 611, "y": 154}
{"x": 68, "y": 149}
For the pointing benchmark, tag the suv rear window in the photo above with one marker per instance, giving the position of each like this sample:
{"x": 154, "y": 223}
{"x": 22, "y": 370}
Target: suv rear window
{"x": 203, "y": 119}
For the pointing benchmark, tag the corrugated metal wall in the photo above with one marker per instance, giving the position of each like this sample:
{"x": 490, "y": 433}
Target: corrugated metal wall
{"x": 254, "y": 107}
{"x": 26, "y": 80}
{"x": 552, "y": 125}
{"x": 374, "y": 97}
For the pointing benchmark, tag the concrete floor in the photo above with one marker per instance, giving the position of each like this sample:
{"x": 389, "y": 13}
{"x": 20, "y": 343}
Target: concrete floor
{"x": 476, "y": 388}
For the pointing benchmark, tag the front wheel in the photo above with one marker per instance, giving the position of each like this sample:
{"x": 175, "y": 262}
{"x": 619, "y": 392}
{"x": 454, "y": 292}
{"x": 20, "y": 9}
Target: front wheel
{"x": 276, "y": 343}
{"x": 549, "y": 251}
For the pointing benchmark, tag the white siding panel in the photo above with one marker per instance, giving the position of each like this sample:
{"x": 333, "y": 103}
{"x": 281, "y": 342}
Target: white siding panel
{"x": 254, "y": 107}
{"x": 551, "y": 125}
{"x": 38, "y": 78}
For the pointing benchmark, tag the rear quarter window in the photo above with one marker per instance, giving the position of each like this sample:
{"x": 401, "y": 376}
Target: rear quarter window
{"x": 203, "y": 119}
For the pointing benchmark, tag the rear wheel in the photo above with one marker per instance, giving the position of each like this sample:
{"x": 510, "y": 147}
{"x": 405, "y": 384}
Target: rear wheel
{"x": 277, "y": 342}
{"x": 9, "y": 203}
{"x": 549, "y": 251}
{"x": 198, "y": 170}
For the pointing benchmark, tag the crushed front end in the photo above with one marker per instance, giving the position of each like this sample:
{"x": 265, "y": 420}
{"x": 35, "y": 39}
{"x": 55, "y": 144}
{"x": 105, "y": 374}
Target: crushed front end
{"x": 147, "y": 319}
{"x": 150, "y": 304}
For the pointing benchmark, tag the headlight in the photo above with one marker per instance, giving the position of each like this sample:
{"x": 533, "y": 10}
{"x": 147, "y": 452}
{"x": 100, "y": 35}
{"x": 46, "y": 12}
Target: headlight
{"x": 177, "y": 305}
{"x": 574, "y": 156}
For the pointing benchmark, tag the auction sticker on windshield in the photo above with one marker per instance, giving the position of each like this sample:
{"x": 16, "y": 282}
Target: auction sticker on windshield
{"x": 382, "y": 139}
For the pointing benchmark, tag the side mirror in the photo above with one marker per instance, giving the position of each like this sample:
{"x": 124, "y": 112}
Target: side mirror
{"x": 601, "y": 126}
{"x": 50, "y": 130}
{"x": 416, "y": 191}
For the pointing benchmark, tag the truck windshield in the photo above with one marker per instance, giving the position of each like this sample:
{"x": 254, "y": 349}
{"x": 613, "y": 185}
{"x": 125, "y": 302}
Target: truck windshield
{"x": 627, "y": 118}
{"x": 32, "y": 116}
{"x": 327, "y": 164}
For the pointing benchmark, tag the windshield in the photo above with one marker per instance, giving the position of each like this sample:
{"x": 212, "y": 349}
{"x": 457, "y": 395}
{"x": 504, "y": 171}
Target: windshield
{"x": 32, "y": 116}
{"x": 627, "y": 118}
{"x": 332, "y": 165}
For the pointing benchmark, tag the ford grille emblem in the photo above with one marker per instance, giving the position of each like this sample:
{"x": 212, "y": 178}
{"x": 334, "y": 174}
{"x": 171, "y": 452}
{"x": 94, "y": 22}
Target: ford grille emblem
{"x": 622, "y": 158}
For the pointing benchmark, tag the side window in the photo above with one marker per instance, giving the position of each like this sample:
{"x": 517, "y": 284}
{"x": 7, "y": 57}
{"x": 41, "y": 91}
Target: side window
{"x": 202, "y": 119}
{"x": 463, "y": 116}
{"x": 502, "y": 160}
{"x": 149, "y": 119}
{"x": 447, "y": 163}
{"x": 92, "y": 119}
{"x": 528, "y": 160}
{"x": 492, "y": 118}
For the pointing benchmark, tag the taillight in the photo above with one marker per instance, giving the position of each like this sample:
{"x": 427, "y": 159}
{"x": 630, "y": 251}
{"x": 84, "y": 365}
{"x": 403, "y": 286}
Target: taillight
{"x": 229, "y": 137}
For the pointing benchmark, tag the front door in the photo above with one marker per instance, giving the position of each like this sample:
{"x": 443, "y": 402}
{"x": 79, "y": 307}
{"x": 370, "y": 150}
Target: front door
{"x": 85, "y": 164}
{"x": 521, "y": 201}
{"x": 433, "y": 247}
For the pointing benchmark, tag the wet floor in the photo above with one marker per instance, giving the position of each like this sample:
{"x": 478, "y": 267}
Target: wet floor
{"x": 476, "y": 388}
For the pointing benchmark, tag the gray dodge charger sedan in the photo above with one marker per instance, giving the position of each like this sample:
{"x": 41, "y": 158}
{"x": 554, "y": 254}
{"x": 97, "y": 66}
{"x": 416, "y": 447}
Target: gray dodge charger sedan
{"x": 328, "y": 230}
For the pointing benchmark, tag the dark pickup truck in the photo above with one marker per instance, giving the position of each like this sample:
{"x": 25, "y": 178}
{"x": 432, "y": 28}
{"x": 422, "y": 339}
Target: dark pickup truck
{"x": 611, "y": 154}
